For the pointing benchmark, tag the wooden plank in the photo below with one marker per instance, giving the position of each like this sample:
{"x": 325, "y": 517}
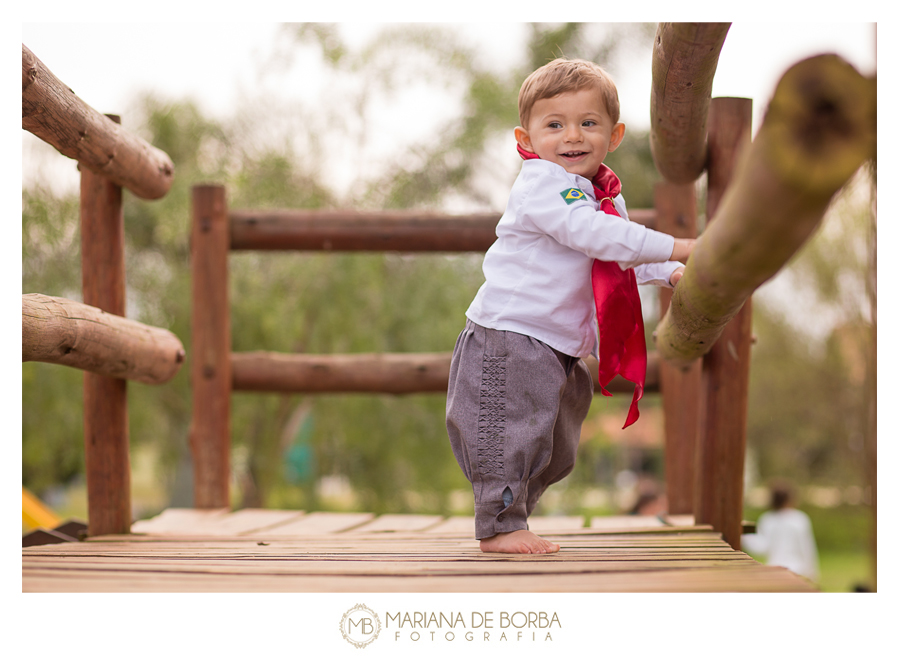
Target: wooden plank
{"x": 388, "y": 543}
{"x": 412, "y": 557}
{"x": 713, "y": 579}
{"x": 288, "y": 566}
{"x": 399, "y": 523}
{"x": 549, "y": 524}
{"x": 176, "y": 520}
{"x": 464, "y": 525}
{"x": 210, "y": 432}
{"x": 246, "y": 521}
{"x": 318, "y": 523}
{"x": 621, "y": 522}
{"x": 679, "y": 519}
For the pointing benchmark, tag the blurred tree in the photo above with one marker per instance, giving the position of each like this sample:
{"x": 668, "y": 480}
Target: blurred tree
{"x": 455, "y": 163}
{"x": 808, "y": 402}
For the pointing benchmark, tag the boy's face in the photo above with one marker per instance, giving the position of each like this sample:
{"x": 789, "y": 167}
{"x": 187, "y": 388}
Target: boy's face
{"x": 573, "y": 130}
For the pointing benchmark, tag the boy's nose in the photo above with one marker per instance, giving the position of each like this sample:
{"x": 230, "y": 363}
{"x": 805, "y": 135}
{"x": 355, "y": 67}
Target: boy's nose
{"x": 573, "y": 134}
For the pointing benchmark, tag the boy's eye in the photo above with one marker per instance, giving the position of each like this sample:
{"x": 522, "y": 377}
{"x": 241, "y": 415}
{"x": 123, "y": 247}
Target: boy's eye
{"x": 588, "y": 123}
{"x": 554, "y": 124}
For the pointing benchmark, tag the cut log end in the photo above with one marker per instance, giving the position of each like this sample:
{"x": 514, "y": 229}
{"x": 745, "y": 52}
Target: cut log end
{"x": 818, "y": 130}
{"x": 64, "y": 332}
{"x": 821, "y": 124}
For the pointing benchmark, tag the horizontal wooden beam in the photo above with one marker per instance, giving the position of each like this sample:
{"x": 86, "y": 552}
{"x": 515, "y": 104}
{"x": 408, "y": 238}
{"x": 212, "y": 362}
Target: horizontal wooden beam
{"x": 344, "y": 230}
{"x": 685, "y": 57}
{"x": 61, "y": 331}
{"x": 818, "y": 129}
{"x": 52, "y": 111}
{"x": 371, "y": 373}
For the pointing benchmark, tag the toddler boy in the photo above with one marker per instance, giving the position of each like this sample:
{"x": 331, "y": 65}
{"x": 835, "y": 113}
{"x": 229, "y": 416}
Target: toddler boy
{"x": 518, "y": 390}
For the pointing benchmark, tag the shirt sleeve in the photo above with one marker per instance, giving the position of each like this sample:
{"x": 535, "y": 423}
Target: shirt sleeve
{"x": 579, "y": 226}
{"x": 657, "y": 274}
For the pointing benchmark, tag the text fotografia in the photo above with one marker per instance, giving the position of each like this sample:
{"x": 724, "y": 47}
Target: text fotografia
{"x": 477, "y": 626}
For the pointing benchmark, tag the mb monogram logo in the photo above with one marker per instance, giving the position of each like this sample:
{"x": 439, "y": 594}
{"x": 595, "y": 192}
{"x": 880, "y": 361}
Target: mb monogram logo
{"x": 360, "y": 626}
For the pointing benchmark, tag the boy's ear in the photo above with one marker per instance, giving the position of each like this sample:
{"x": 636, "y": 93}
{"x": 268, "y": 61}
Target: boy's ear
{"x": 616, "y": 137}
{"x": 523, "y": 139}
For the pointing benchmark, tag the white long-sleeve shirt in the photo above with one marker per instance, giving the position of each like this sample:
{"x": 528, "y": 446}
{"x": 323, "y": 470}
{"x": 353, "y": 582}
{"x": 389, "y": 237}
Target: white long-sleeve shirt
{"x": 538, "y": 271}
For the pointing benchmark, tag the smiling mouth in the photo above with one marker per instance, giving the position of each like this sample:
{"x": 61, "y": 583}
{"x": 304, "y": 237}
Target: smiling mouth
{"x": 573, "y": 154}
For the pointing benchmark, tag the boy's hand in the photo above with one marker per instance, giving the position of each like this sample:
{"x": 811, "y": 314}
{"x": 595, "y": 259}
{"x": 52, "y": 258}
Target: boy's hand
{"x": 682, "y": 249}
{"x": 676, "y": 276}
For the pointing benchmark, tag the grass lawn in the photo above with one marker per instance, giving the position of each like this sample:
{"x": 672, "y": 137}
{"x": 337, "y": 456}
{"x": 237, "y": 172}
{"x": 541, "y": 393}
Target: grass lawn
{"x": 841, "y": 571}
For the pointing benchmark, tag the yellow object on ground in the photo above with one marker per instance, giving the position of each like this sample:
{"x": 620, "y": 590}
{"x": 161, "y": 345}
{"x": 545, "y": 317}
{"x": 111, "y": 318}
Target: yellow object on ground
{"x": 35, "y": 514}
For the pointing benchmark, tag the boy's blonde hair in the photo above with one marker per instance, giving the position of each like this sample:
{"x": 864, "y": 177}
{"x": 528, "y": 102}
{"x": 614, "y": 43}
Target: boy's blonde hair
{"x": 566, "y": 75}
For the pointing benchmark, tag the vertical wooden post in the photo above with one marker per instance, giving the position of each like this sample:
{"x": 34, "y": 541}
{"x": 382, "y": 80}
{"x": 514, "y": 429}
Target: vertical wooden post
{"x": 106, "y": 461}
{"x": 676, "y": 213}
{"x": 211, "y": 347}
{"x": 722, "y": 442}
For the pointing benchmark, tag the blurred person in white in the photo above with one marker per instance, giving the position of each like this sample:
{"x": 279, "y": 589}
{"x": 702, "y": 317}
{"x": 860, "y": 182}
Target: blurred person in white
{"x": 784, "y": 535}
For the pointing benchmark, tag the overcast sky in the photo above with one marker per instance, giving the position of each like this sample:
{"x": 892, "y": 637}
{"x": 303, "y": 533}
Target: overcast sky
{"x": 107, "y": 64}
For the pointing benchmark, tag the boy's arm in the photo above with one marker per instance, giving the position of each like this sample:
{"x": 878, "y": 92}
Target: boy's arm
{"x": 680, "y": 252}
{"x": 682, "y": 249}
{"x": 597, "y": 234}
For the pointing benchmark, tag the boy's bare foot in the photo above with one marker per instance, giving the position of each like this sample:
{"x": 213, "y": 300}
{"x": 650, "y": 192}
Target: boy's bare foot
{"x": 518, "y": 541}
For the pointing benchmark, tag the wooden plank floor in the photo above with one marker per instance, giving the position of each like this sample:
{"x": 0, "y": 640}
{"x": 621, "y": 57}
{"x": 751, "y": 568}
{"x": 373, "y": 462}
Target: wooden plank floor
{"x": 184, "y": 550}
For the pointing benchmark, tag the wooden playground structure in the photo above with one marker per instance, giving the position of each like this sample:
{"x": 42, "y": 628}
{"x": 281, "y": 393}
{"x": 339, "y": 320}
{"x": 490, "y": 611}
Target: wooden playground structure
{"x": 763, "y": 199}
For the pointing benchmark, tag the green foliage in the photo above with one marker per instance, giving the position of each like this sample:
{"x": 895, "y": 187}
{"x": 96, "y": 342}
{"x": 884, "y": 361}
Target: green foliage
{"x": 808, "y": 394}
{"x": 845, "y": 571}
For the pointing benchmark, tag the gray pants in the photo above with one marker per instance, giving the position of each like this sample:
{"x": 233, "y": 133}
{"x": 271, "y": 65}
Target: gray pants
{"x": 514, "y": 412}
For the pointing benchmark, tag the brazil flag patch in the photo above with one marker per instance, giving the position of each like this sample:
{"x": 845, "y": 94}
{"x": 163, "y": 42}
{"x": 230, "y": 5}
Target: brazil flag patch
{"x": 571, "y": 195}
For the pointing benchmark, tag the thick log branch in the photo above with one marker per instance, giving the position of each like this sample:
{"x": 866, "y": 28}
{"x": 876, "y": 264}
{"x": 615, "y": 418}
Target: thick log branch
{"x": 818, "y": 129}
{"x": 52, "y": 111}
{"x": 685, "y": 56}
{"x": 371, "y": 373}
{"x": 61, "y": 331}
{"x": 344, "y": 230}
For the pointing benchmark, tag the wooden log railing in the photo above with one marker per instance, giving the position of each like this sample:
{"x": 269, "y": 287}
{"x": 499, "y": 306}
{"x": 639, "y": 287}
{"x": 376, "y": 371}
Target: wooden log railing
{"x": 94, "y": 336}
{"x": 721, "y": 438}
{"x": 210, "y": 433}
{"x": 372, "y": 373}
{"x": 765, "y": 200}
{"x": 676, "y": 206}
{"x": 685, "y": 56}
{"x": 342, "y": 230}
{"x": 818, "y": 130}
{"x": 52, "y": 111}
{"x": 65, "y": 332}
